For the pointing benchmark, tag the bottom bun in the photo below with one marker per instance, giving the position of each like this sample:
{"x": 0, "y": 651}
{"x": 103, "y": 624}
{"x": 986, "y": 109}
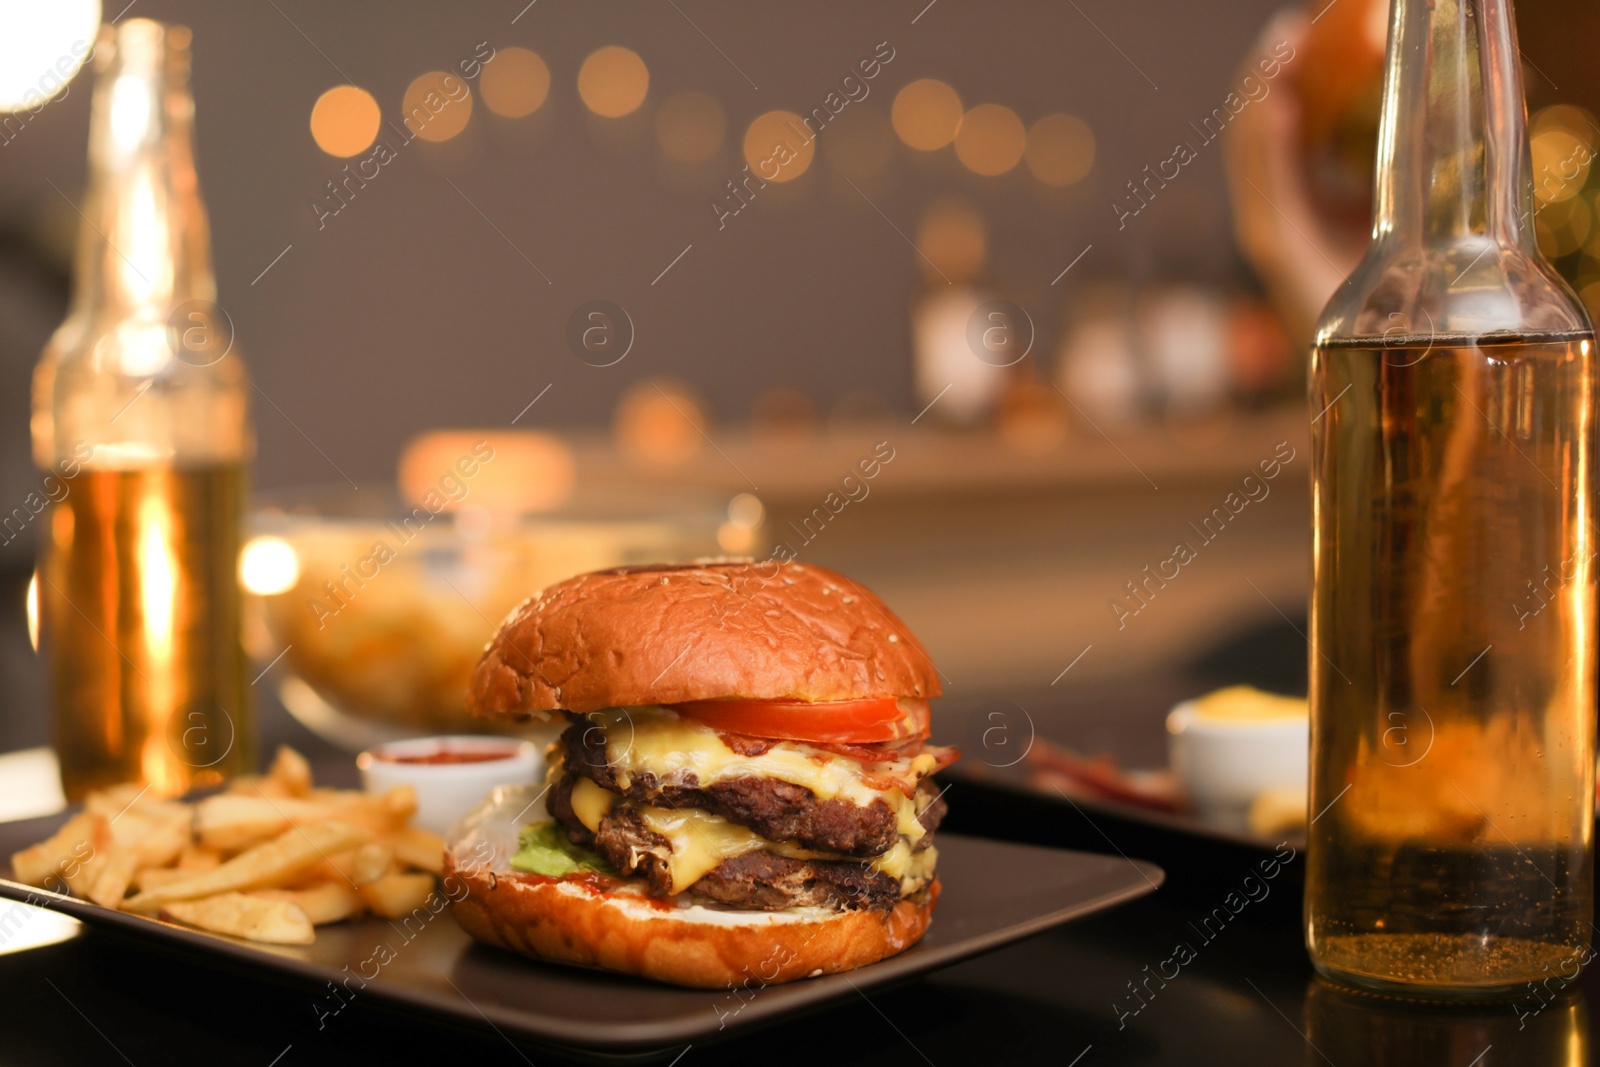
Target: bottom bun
{"x": 711, "y": 948}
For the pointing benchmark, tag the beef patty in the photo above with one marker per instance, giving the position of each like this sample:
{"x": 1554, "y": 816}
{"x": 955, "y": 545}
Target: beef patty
{"x": 777, "y": 810}
{"x": 760, "y": 881}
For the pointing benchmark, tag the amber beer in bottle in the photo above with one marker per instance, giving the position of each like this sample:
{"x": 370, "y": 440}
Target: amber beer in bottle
{"x": 1453, "y": 605}
{"x": 141, "y": 397}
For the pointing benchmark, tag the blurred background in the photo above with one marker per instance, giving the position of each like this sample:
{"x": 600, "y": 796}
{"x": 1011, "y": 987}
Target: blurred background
{"x": 693, "y": 269}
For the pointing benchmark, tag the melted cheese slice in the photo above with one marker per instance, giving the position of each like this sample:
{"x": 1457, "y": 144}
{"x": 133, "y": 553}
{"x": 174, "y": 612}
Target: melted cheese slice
{"x": 698, "y": 841}
{"x": 913, "y": 869}
{"x": 590, "y": 803}
{"x": 658, "y": 741}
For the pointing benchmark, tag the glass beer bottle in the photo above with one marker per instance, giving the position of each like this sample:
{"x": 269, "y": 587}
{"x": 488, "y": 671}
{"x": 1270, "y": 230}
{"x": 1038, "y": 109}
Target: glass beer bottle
{"x": 140, "y": 407}
{"x": 1453, "y": 603}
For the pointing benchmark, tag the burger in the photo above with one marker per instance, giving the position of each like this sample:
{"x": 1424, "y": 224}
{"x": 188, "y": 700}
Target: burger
{"x": 742, "y": 789}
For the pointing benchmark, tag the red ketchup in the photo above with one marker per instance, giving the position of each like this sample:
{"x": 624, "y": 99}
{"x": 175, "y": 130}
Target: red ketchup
{"x": 451, "y": 755}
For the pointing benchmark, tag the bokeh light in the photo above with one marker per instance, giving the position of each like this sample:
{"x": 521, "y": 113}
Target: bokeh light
{"x": 1578, "y": 121}
{"x": 1560, "y": 164}
{"x": 526, "y": 471}
{"x": 690, "y": 127}
{"x": 1562, "y": 226}
{"x": 344, "y": 121}
{"x": 778, "y": 146}
{"x": 926, "y": 114}
{"x": 746, "y": 509}
{"x": 32, "y": 609}
{"x": 267, "y": 566}
{"x": 613, "y": 81}
{"x": 437, "y": 106}
{"x": 991, "y": 139}
{"x": 953, "y": 236}
{"x": 745, "y": 515}
{"x": 659, "y": 422}
{"x": 515, "y": 84}
{"x": 1060, "y": 150}
{"x": 43, "y": 46}
{"x": 1590, "y": 295}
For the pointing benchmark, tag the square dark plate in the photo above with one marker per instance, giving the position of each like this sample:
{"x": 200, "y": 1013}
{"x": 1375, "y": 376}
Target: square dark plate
{"x": 1177, "y": 824}
{"x": 994, "y": 893}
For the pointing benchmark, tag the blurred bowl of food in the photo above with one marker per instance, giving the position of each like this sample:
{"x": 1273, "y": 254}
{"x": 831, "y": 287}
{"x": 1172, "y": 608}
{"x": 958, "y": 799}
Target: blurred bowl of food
{"x": 369, "y": 608}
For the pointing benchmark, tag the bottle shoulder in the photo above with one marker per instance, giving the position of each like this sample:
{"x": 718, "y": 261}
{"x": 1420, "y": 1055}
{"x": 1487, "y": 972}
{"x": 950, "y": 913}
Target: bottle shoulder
{"x": 132, "y": 391}
{"x": 1469, "y": 287}
{"x": 135, "y": 351}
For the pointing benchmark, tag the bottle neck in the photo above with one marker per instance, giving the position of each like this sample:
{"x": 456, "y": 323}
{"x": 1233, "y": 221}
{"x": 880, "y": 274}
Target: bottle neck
{"x": 1452, "y": 140}
{"x": 145, "y": 246}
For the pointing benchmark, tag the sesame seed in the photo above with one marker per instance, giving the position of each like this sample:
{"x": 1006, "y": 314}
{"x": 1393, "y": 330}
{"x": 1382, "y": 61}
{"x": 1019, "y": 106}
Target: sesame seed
{"x": 894, "y": 639}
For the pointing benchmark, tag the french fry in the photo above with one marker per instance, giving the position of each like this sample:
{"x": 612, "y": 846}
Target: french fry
{"x": 113, "y": 875}
{"x": 268, "y": 859}
{"x": 272, "y": 865}
{"x": 323, "y": 902}
{"x": 156, "y": 842}
{"x": 80, "y": 877}
{"x": 278, "y": 922}
{"x": 395, "y": 895}
{"x": 419, "y": 848}
{"x": 354, "y": 867}
{"x": 155, "y": 877}
{"x": 198, "y": 858}
{"x": 382, "y": 812}
{"x": 368, "y": 864}
{"x": 234, "y": 821}
{"x": 348, "y": 867}
{"x": 401, "y": 804}
{"x": 291, "y": 771}
{"x": 118, "y": 800}
{"x": 112, "y": 800}
{"x": 64, "y": 853}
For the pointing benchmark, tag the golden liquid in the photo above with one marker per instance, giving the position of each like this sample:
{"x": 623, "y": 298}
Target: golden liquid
{"x": 1453, "y": 663}
{"x": 139, "y": 611}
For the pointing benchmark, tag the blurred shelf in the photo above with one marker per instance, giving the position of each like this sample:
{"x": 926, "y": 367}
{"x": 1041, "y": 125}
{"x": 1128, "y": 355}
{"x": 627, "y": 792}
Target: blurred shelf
{"x": 930, "y": 460}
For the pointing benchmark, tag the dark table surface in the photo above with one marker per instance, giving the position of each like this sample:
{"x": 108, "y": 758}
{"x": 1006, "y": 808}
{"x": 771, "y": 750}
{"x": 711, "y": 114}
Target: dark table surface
{"x": 1087, "y": 995}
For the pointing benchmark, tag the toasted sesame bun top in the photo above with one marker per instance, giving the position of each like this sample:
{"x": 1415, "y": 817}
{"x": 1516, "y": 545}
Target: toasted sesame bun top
{"x": 706, "y": 630}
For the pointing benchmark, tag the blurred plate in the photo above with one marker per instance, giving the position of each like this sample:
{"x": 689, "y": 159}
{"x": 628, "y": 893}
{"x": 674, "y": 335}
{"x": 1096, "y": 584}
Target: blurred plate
{"x": 1159, "y": 824}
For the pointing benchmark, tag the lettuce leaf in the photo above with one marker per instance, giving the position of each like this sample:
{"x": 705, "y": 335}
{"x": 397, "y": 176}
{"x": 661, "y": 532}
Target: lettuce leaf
{"x": 543, "y": 848}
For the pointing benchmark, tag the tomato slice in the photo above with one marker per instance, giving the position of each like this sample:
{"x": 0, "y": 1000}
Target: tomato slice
{"x": 844, "y": 722}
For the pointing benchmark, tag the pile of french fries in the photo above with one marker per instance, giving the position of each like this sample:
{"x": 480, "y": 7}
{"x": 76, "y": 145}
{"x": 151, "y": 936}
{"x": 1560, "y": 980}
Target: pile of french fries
{"x": 269, "y": 859}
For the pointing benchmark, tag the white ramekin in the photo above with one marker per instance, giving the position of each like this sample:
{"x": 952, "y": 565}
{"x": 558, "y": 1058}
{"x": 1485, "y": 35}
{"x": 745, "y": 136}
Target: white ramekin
{"x": 1222, "y": 764}
{"x": 448, "y": 791}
